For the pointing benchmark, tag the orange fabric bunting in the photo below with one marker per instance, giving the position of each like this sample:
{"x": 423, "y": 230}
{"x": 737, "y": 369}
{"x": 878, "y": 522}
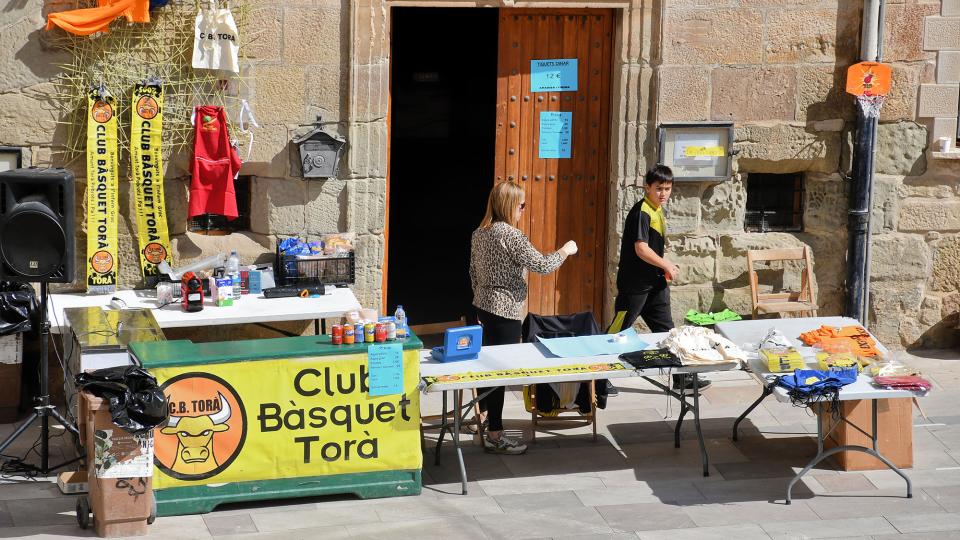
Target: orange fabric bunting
{"x": 83, "y": 22}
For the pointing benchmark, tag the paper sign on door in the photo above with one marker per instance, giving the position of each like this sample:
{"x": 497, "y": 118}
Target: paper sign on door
{"x": 555, "y": 139}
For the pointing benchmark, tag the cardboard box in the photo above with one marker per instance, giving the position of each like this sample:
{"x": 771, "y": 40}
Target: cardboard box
{"x": 72, "y": 482}
{"x": 895, "y": 426}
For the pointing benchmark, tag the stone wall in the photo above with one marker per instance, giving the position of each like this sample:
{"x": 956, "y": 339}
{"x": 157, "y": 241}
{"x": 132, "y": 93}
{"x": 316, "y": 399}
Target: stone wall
{"x": 776, "y": 69}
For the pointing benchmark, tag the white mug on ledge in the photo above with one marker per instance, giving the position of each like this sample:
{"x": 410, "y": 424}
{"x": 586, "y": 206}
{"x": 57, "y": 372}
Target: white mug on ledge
{"x": 943, "y": 144}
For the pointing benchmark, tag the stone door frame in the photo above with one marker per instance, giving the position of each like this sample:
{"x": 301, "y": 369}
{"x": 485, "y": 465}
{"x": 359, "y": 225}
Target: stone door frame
{"x": 635, "y": 21}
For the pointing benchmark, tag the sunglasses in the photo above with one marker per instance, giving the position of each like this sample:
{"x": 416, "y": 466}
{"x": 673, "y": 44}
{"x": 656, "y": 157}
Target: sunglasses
{"x": 523, "y": 205}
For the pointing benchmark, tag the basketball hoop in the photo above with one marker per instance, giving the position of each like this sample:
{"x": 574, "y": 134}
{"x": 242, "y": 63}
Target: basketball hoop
{"x": 870, "y": 83}
{"x": 870, "y": 105}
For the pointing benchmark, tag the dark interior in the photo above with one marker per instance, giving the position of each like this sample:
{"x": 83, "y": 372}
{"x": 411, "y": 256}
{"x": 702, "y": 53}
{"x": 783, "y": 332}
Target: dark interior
{"x": 442, "y": 136}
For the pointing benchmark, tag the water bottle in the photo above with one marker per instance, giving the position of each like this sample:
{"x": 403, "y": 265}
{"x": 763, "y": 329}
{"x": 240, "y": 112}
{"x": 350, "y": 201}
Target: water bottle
{"x": 400, "y": 316}
{"x": 233, "y": 272}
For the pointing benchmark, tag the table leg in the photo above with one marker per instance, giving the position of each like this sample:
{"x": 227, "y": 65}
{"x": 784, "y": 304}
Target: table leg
{"x": 443, "y": 429}
{"x": 767, "y": 390}
{"x": 457, "y": 400}
{"x": 684, "y": 407}
{"x": 316, "y": 327}
{"x": 875, "y": 451}
{"x": 676, "y": 428}
{"x": 696, "y": 422}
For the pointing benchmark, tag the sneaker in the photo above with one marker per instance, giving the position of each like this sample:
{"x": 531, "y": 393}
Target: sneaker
{"x": 687, "y": 382}
{"x": 505, "y": 445}
{"x": 612, "y": 390}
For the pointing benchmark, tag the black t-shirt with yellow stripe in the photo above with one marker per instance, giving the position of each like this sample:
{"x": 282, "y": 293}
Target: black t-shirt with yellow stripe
{"x": 644, "y": 223}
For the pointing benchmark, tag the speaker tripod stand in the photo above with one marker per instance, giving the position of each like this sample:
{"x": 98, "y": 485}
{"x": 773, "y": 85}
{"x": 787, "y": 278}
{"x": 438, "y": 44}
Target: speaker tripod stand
{"x": 44, "y": 409}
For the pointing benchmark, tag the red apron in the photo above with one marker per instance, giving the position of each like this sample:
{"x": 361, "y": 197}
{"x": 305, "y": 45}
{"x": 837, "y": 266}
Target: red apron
{"x": 215, "y": 164}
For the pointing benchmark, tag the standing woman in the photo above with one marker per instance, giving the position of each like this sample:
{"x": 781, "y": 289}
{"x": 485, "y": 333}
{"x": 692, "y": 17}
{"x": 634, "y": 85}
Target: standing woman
{"x": 500, "y": 255}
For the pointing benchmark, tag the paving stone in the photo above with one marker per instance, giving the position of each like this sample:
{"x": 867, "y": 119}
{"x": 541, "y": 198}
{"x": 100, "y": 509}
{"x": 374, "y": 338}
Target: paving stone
{"x": 611, "y": 536}
{"x": 740, "y": 532}
{"x": 219, "y": 525}
{"x": 845, "y": 483}
{"x": 537, "y": 484}
{"x": 430, "y": 508}
{"x": 338, "y": 532}
{"x": 545, "y": 524}
{"x": 641, "y": 492}
{"x": 560, "y": 500}
{"x": 880, "y": 503}
{"x": 737, "y": 513}
{"x": 59, "y": 511}
{"x": 918, "y": 536}
{"x": 440, "y": 529}
{"x": 912, "y": 523}
{"x": 319, "y": 517}
{"x": 645, "y": 517}
{"x": 828, "y": 528}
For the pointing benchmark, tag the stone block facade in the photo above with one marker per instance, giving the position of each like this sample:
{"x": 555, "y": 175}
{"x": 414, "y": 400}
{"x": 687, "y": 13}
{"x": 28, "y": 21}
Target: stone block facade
{"x": 775, "y": 68}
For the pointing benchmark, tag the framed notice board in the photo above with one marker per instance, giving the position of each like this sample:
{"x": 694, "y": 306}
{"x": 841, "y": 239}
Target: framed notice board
{"x": 697, "y": 152}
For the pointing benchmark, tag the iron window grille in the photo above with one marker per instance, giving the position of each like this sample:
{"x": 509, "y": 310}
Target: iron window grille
{"x": 774, "y": 202}
{"x": 215, "y": 224}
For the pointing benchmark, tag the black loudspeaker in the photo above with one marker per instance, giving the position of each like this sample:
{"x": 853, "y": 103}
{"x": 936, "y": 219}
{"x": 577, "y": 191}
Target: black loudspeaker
{"x": 37, "y": 225}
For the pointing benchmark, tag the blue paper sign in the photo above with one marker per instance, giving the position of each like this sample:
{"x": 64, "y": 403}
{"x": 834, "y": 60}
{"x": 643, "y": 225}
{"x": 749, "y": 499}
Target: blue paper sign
{"x": 385, "y": 365}
{"x": 555, "y": 127}
{"x": 553, "y": 75}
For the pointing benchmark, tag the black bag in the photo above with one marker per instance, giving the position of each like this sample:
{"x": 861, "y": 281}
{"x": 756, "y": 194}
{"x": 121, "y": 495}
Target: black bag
{"x": 137, "y": 403}
{"x": 18, "y": 306}
{"x": 557, "y": 326}
{"x": 651, "y": 358}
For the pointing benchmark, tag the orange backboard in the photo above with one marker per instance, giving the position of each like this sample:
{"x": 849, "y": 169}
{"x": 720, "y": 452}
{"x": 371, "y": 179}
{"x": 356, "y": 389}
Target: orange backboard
{"x": 868, "y": 79}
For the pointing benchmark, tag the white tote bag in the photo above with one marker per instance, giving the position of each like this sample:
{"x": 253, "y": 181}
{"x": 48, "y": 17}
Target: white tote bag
{"x": 215, "y": 43}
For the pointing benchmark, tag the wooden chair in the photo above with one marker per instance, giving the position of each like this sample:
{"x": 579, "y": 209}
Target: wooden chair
{"x": 802, "y": 302}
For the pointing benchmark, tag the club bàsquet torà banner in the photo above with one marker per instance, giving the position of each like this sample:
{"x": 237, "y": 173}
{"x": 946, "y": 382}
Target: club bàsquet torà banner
{"x": 284, "y": 418}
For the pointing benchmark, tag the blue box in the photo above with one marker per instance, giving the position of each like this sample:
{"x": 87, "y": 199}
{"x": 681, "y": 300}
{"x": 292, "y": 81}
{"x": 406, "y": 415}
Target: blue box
{"x": 253, "y": 280}
{"x": 461, "y": 343}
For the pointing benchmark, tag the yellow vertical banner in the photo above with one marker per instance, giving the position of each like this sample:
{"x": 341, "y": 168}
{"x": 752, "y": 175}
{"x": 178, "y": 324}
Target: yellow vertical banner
{"x": 102, "y": 192}
{"x": 147, "y": 180}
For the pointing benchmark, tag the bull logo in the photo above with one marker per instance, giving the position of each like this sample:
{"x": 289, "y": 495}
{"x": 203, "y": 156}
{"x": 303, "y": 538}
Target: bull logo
{"x": 195, "y": 438}
{"x": 206, "y": 430}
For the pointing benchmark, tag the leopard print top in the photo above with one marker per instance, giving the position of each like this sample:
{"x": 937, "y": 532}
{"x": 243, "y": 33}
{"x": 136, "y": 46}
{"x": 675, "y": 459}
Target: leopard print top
{"x": 500, "y": 256}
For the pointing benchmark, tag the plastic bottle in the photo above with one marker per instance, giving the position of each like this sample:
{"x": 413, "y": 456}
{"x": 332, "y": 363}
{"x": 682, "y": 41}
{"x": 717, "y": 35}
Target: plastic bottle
{"x": 400, "y": 316}
{"x": 233, "y": 272}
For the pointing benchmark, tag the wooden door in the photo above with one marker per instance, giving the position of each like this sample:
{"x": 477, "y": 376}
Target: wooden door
{"x": 566, "y": 197}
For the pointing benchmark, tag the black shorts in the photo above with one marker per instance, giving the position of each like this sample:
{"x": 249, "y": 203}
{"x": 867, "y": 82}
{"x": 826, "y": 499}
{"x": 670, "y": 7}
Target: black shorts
{"x": 653, "y": 306}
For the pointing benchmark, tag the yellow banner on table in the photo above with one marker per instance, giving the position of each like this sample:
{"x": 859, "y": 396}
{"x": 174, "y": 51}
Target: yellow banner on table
{"x": 146, "y": 161}
{"x": 704, "y": 151}
{"x": 572, "y": 369}
{"x": 102, "y": 262}
{"x": 284, "y": 418}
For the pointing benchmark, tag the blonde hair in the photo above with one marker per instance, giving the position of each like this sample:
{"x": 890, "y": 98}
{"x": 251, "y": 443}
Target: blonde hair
{"x": 501, "y": 206}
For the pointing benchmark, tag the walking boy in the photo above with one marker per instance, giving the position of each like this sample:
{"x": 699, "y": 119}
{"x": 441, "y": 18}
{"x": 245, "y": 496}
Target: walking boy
{"x": 642, "y": 288}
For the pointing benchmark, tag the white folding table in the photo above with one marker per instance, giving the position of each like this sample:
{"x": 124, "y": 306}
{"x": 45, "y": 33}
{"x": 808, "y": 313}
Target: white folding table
{"x": 743, "y": 332}
{"x": 529, "y": 355}
{"x": 249, "y": 309}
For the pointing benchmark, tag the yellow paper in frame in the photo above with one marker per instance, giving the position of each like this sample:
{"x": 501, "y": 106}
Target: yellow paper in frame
{"x": 102, "y": 192}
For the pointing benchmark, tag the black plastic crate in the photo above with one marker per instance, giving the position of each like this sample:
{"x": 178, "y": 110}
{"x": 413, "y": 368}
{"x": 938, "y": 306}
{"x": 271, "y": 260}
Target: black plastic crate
{"x": 336, "y": 270}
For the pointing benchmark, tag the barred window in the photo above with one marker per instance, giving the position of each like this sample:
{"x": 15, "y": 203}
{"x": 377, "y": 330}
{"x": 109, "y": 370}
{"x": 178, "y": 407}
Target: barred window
{"x": 774, "y": 202}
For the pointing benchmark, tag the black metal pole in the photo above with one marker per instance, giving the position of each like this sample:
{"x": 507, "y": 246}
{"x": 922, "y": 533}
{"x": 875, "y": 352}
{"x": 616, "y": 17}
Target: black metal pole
{"x": 44, "y": 380}
{"x": 858, "y": 215}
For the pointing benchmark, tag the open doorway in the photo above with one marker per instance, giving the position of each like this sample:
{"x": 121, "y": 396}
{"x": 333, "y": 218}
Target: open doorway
{"x": 442, "y": 136}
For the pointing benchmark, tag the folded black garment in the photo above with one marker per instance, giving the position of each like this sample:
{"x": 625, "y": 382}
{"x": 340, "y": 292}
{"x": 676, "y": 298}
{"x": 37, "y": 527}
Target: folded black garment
{"x": 651, "y": 358}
